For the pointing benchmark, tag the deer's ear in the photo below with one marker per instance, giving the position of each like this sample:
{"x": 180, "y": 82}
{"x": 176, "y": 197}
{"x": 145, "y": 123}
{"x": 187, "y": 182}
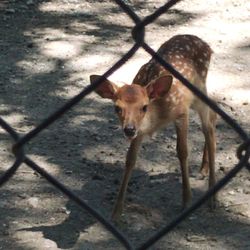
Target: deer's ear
{"x": 106, "y": 89}
{"x": 160, "y": 87}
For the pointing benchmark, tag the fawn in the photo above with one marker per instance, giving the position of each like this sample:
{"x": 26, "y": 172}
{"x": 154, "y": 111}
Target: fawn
{"x": 156, "y": 98}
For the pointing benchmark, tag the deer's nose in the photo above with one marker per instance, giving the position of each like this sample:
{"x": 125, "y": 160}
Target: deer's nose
{"x": 129, "y": 130}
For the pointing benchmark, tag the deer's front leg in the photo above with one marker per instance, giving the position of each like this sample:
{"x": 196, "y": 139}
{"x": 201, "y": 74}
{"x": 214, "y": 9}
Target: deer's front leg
{"x": 182, "y": 152}
{"x": 130, "y": 163}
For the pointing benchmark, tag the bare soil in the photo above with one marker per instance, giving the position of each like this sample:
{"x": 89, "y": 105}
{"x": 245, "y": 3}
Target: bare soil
{"x": 48, "y": 50}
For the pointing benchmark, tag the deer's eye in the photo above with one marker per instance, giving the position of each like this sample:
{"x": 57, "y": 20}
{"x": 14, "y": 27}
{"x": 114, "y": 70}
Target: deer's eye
{"x": 145, "y": 108}
{"x": 118, "y": 109}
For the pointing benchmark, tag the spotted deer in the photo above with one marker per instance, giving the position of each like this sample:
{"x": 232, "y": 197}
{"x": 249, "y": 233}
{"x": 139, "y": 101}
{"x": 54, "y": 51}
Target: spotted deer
{"x": 155, "y": 98}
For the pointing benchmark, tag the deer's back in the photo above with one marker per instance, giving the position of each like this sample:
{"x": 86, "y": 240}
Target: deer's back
{"x": 186, "y": 53}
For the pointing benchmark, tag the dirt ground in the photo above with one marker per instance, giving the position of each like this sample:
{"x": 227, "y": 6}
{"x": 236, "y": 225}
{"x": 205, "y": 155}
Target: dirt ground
{"x": 48, "y": 50}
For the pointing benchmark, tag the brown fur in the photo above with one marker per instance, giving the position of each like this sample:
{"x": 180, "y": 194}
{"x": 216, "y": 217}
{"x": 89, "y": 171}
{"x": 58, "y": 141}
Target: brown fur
{"x": 155, "y": 98}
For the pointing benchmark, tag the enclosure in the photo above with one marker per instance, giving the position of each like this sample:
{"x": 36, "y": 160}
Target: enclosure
{"x": 69, "y": 143}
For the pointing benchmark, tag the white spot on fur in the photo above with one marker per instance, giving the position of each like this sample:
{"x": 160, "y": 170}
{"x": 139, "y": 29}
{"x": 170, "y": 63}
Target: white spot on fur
{"x": 173, "y": 99}
{"x": 180, "y": 63}
{"x": 181, "y": 70}
{"x": 203, "y": 73}
{"x": 181, "y": 91}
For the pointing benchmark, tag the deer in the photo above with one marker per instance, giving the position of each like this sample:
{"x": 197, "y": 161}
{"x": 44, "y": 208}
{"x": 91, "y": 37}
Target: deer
{"x": 156, "y": 98}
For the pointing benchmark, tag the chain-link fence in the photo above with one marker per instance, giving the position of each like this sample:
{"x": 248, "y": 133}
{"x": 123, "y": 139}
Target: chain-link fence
{"x": 138, "y": 32}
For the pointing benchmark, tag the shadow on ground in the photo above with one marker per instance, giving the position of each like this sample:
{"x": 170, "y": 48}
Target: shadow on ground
{"x": 85, "y": 141}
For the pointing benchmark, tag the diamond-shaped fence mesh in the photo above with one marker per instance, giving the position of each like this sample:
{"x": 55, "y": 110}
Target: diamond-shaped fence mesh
{"x": 138, "y": 32}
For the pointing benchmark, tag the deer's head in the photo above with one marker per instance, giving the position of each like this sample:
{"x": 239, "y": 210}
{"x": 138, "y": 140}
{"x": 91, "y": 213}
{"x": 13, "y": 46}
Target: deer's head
{"x": 132, "y": 102}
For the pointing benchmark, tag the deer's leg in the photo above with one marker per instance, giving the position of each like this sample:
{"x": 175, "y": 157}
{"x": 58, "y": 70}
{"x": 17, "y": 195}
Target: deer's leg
{"x": 204, "y": 165}
{"x": 205, "y": 161}
{"x": 208, "y": 127}
{"x": 130, "y": 163}
{"x": 182, "y": 151}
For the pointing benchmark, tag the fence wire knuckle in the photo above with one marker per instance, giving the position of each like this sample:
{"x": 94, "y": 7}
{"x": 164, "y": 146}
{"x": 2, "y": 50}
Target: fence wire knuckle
{"x": 138, "y": 34}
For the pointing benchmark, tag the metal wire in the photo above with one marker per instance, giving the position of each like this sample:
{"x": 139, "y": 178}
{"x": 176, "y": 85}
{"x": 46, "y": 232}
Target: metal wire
{"x": 138, "y": 32}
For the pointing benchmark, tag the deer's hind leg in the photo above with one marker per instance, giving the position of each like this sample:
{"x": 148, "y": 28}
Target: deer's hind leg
{"x": 208, "y": 118}
{"x": 181, "y": 126}
{"x": 204, "y": 170}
